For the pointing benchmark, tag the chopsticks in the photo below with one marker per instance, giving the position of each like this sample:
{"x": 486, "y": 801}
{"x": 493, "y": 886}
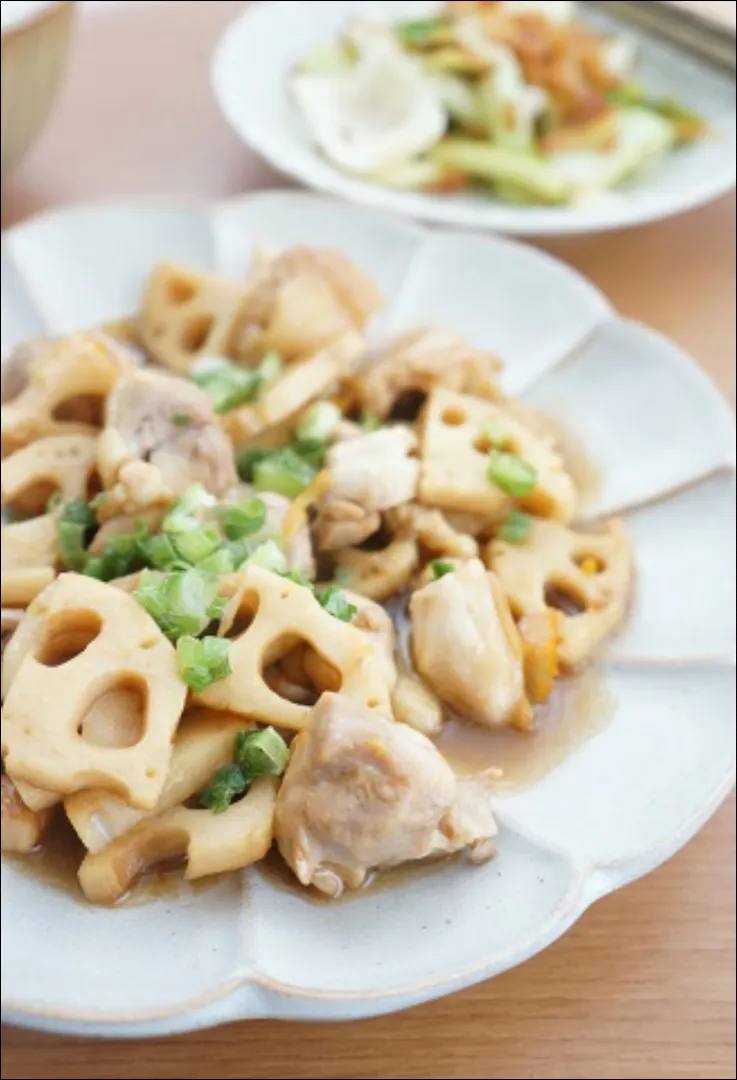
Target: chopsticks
{"x": 702, "y": 37}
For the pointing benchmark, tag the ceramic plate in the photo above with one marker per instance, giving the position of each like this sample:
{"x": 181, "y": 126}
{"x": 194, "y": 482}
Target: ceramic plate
{"x": 250, "y": 75}
{"x": 662, "y": 438}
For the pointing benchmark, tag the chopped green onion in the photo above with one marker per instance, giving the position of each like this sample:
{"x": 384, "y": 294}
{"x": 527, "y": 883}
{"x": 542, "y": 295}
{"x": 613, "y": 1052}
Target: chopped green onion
{"x": 248, "y": 460}
{"x": 516, "y": 528}
{"x": 311, "y": 451}
{"x": 298, "y": 578}
{"x": 196, "y": 545}
{"x": 76, "y": 522}
{"x": 99, "y": 500}
{"x": 335, "y": 603}
{"x": 181, "y": 420}
{"x": 283, "y": 472}
{"x": 230, "y": 385}
{"x": 124, "y": 554}
{"x": 161, "y": 553}
{"x": 269, "y": 556}
{"x": 202, "y": 662}
{"x": 513, "y": 475}
{"x": 419, "y": 33}
{"x": 243, "y": 519}
{"x": 186, "y": 510}
{"x": 223, "y": 561}
{"x": 370, "y": 422}
{"x": 318, "y": 423}
{"x": 182, "y": 602}
{"x": 54, "y": 502}
{"x": 227, "y": 784}
{"x": 261, "y": 753}
{"x": 441, "y": 569}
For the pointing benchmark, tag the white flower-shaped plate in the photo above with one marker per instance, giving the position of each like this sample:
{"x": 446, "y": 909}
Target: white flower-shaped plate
{"x": 618, "y": 807}
{"x": 251, "y": 70}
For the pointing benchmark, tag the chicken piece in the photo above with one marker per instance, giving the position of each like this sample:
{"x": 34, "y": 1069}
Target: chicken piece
{"x": 302, "y": 301}
{"x": 362, "y": 793}
{"x": 22, "y": 829}
{"x": 379, "y": 575}
{"x": 432, "y": 530}
{"x": 161, "y": 436}
{"x": 417, "y": 363}
{"x": 467, "y": 648}
{"x": 368, "y": 475}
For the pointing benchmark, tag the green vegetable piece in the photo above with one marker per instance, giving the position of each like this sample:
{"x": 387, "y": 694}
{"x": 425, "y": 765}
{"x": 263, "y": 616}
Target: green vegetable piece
{"x": 441, "y": 568}
{"x": 248, "y": 460}
{"x": 370, "y": 422}
{"x": 516, "y": 528}
{"x": 76, "y": 523}
{"x": 124, "y": 554}
{"x": 227, "y": 784}
{"x": 196, "y": 545}
{"x": 318, "y": 423}
{"x": 283, "y": 472}
{"x": 181, "y": 420}
{"x": 497, "y": 165}
{"x": 269, "y": 556}
{"x": 243, "y": 519}
{"x": 202, "y": 662}
{"x": 230, "y": 385}
{"x": 298, "y": 578}
{"x": 182, "y": 602}
{"x": 261, "y": 753}
{"x": 511, "y": 474}
{"x": 420, "y": 33}
{"x": 312, "y": 451}
{"x": 335, "y": 603}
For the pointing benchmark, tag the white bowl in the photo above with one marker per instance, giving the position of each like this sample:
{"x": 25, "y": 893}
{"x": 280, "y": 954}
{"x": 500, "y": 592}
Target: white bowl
{"x": 36, "y": 37}
{"x": 615, "y": 809}
{"x": 250, "y": 72}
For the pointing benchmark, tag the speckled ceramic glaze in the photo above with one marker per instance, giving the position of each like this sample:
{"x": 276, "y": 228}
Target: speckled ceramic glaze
{"x": 257, "y": 53}
{"x": 616, "y": 808}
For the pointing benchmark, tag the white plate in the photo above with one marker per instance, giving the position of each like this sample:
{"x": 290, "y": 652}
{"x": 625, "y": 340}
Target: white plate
{"x": 250, "y": 75}
{"x": 623, "y": 803}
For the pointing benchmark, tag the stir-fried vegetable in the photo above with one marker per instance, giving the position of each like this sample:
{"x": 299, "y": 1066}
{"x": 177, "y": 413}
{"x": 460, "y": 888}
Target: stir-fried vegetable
{"x": 182, "y": 602}
{"x": 516, "y": 527}
{"x": 202, "y": 661}
{"x": 76, "y": 523}
{"x": 230, "y": 385}
{"x": 511, "y": 474}
{"x": 256, "y": 753}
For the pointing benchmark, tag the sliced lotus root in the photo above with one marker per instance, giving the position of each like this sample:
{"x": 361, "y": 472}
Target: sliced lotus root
{"x": 301, "y": 302}
{"x": 436, "y": 536}
{"x": 379, "y": 575}
{"x": 66, "y": 389}
{"x": 204, "y": 743}
{"x": 60, "y": 464}
{"x": 187, "y": 314}
{"x": 301, "y": 383}
{"x": 20, "y": 586}
{"x": 585, "y": 577}
{"x": 455, "y": 460}
{"x": 211, "y": 843}
{"x": 416, "y": 364}
{"x": 22, "y": 828}
{"x": 283, "y": 614}
{"x": 80, "y": 641}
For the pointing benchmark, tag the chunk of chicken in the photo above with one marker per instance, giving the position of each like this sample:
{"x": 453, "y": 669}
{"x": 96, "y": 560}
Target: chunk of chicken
{"x": 467, "y": 648}
{"x": 303, "y": 301}
{"x": 368, "y": 475}
{"x": 363, "y": 793}
{"x": 420, "y": 361}
{"x": 161, "y": 436}
{"x": 22, "y": 829}
{"x": 432, "y": 530}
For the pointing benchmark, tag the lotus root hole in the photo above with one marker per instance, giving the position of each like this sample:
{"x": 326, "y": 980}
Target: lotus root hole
{"x": 563, "y": 597}
{"x": 180, "y": 290}
{"x": 86, "y": 409}
{"x": 454, "y": 417}
{"x": 66, "y": 635}
{"x": 196, "y": 332}
{"x": 116, "y": 719}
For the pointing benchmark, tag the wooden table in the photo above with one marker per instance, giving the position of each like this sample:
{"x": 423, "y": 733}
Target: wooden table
{"x": 643, "y": 987}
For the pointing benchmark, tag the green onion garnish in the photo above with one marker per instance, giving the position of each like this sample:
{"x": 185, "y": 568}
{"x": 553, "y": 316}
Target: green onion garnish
{"x": 257, "y": 753}
{"x": 243, "y": 519}
{"x": 186, "y": 511}
{"x": 248, "y": 460}
{"x": 318, "y": 423}
{"x": 182, "y": 602}
{"x": 124, "y": 554}
{"x": 223, "y": 561}
{"x": 298, "y": 578}
{"x": 76, "y": 522}
{"x": 196, "y": 545}
{"x": 181, "y": 420}
{"x": 335, "y": 603}
{"x": 54, "y": 502}
{"x": 283, "y": 472}
{"x": 418, "y": 33}
{"x": 441, "y": 568}
{"x": 513, "y": 475}
{"x": 227, "y": 784}
{"x": 269, "y": 556}
{"x": 230, "y": 385}
{"x": 261, "y": 753}
{"x": 312, "y": 451}
{"x": 516, "y": 528}
{"x": 370, "y": 422}
{"x": 202, "y": 662}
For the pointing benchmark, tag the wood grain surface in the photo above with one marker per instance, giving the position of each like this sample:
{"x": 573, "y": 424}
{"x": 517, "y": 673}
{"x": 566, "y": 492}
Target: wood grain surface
{"x": 643, "y": 987}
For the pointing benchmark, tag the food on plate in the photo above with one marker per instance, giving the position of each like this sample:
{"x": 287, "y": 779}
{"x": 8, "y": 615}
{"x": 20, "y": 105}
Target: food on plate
{"x": 244, "y": 593}
{"x": 522, "y": 101}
